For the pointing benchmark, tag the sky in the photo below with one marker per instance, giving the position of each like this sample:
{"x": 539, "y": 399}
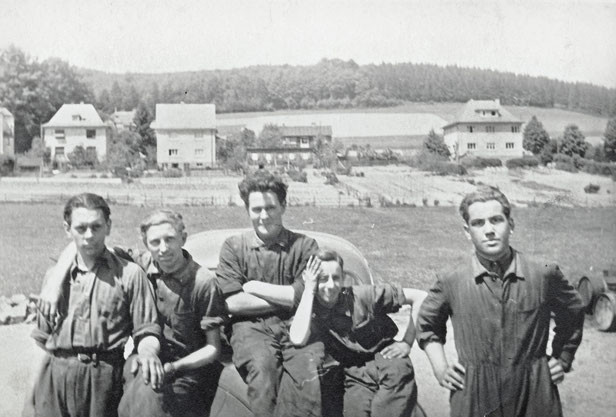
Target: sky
{"x": 571, "y": 40}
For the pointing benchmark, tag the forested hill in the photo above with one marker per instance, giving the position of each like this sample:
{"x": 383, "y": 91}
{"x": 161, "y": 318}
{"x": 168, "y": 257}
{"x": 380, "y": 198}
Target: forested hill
{"x": 333, "y": 83}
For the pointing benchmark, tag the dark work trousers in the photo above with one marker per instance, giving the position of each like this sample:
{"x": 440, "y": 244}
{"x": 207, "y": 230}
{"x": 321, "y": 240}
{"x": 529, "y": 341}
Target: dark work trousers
{"x": 68, "y": 387}
{"x": 189, "y": 395}
{"x": 283, "y": 381}
{"x": 380, "y": 387}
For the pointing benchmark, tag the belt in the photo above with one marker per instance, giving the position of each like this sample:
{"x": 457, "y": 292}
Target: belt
{"x": 111, "y": 356}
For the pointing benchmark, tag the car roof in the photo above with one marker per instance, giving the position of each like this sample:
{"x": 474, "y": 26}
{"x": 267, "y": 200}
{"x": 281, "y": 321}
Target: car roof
{"x": 205, "y": 249}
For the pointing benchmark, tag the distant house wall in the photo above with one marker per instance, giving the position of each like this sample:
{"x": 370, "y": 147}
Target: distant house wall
{"x": 182, "y": 148}
{"x": 66, "y": 139}
{"x": 7, "y": 133}
{"x": 488, "y": 140}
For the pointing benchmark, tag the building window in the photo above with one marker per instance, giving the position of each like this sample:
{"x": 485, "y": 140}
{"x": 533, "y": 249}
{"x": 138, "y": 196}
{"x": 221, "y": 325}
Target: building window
{"x": 471, "y": 145}
{"x": 490, "y": 145}
{"x": 490, "y": 129}
{"x": 59, "y": 134}
{"x": 199, "y": 164}
{"x": 509, "y": 145}
{"x": 515, "y": 129}
{"x": 60, "y": 151}
{"x": 198, "y": 135}
{"x": 77, "y": 118}
{"x": 198, "y": 152}
{"x": 175, "y": 165}
{"x": 91, "y": 133}
{"x": 470, "y": 129}
{"x": 173, "y": 152}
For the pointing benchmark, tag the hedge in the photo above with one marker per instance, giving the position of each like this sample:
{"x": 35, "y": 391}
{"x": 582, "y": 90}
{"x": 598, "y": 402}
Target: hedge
{"x": 482, "y": 163}
{"x": 522, "y": 163}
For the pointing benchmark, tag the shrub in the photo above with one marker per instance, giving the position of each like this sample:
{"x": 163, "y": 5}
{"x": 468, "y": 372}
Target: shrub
{"x": 297, "y": 176}
{"x": 561, "y": 157}
{"x": 566, "y": 166}
{"x": 592, "y": 189}
{"x": 481, "y": 163}
{"x": 599, "y": 168}
{"x": 424, "y": 201}
{"x": 436, "y": 203}
{"x": 330, "y": 178}
{"x": 7, "y": 165}
{"x": 172, "y": 173}
{"x": 522, "y": 163}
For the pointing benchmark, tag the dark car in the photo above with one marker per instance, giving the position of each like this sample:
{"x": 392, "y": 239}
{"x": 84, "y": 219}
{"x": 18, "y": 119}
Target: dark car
{"x": 231, "y": 400}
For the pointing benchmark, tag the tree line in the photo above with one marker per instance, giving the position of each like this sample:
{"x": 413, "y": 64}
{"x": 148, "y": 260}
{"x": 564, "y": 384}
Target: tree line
{"x": 33, "y": 91}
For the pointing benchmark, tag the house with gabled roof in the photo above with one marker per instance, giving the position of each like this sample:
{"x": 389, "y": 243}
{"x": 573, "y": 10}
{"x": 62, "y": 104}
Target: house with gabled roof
{"x": 75, "y": 125}
{"x": 304, "y": 137}
{"x": 185, "y": 135}
{"x": 123, "y": 120}
{"x": 484, "y": 128}
{"x": 7, "y": 132}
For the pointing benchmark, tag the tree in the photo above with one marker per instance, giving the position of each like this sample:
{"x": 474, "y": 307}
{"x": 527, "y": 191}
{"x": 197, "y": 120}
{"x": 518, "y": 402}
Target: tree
{"x": 609, "y": 140}
{"x": 142, "y": 120}
{"x": 435, "y": 144}
{"x": 547, "y": 153}
{"x": 270, "y": 137}
{"x": 573, "y": 142}
{"x": 231, "y": 151}
{"x": 123, "y": 153}
{"x": 83, "y": 158}
{"x": 535, "y": 136}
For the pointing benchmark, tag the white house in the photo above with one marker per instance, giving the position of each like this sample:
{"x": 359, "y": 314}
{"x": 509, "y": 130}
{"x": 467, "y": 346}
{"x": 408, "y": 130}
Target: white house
{"x": 7, "y": 132}
{"x": 75, "y": 125}
{"x": 486, "y": 129}
{"x": 185, "y": 135}
{"x": 123, "y": 120}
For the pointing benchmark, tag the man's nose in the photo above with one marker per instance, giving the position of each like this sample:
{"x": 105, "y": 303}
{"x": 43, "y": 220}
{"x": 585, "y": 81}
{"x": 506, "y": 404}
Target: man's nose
{"x": 162, "y": 247}
{"x": 88, "y": 233}
{"x": 263, "y": 214}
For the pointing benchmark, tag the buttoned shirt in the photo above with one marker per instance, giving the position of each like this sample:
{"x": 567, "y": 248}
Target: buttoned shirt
{"x": 501, "y": 330}
{"x": 358, "y": 326}
{"x": 246, "y": 257}
{"x": 189, "y": 304}
{"x": 101, "y": 308}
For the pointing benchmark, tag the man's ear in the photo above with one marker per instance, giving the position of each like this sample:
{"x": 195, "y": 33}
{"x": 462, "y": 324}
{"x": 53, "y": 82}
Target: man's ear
{"x": 108, "y": 227}
{"x": 511, "y": 224}
{"x": 67, "y": 229}
{"x": 184, "y": 237}
{"x": 467, "y": 232}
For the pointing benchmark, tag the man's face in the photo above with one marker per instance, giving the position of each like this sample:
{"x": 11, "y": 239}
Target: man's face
{"x": 489, "y": 229}
{"x": 88, "y": 229}
{"x": 265, "y": 214}
{"x": 165, "y": 244}
{"x": 330, "y": 283}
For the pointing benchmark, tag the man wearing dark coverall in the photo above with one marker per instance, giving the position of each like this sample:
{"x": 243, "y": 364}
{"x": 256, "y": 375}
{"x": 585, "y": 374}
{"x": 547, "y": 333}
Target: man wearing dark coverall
{"x": 500, "y": 304}
{"x": 105, "y": 300}
{"x": 282, "y": 380}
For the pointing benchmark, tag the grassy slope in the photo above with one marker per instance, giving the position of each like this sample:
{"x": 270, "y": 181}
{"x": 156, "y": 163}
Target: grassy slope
{"x": 403, "y": 245}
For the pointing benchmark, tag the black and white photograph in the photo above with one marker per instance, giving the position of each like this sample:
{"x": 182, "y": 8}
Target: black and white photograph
{"x": 307, "y": 208}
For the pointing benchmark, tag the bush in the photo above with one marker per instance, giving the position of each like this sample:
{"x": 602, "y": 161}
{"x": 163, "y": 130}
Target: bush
{"x": 330, "y": 178}
{"x": 598, "y": 168}
{"x": 481, "y": 163}
{"x": 446, "y": 168}
{"x": 522, "y": 163}
{"x": 172, "y": 173}
{"x": 297, "y": 176}
{"x": 7, "y": 165}
{"x": 565, "y": 166}
{"x": 592, "y": 189}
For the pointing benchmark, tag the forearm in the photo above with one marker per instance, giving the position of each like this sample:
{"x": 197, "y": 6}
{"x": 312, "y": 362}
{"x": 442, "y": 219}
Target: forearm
{"x": 415, "y": 298}
{"x": 207, "y": 354}
{"x": 436, "y": 355}
{"x": 300, "y": 328}
{"x": 282, "y": 295}
{"x": 243, "y": 304}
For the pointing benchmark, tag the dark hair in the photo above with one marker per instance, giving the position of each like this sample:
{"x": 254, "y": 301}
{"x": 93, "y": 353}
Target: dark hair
{"x": 162, "y": 216}
{"x": 482, "y": 194}
{"x": 330, "y": 255}
{"x": 86, "y": 200}
{"x": 263, "y": 181}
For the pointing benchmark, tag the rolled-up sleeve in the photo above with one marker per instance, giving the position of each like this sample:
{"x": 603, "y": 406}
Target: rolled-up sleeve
{"x": 568, "y": 309}
{"x": 142, "y": 304}
{"x": 387, "y": 298}
{"x": 433, "y": 315}
{"x": 229, "y": 272}
{"x": 212, "y": 306}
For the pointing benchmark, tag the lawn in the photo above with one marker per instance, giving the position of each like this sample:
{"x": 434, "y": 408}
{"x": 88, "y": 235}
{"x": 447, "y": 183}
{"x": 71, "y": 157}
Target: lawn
{"x": 405, "y": 245}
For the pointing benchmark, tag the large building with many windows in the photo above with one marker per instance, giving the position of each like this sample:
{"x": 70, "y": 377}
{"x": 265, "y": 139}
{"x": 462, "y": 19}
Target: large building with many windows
{"x": 75, "y": 125}
{"x": 185, "y": 135}
{"x": 484, "y": 128}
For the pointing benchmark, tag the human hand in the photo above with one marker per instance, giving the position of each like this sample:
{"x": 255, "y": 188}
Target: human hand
{"x": 311, "y": 274}
{"x": 170, "y": 371}
{"x": 396, "y": 350}
{"x": 151, "y": 369}
{"x": 47, "y": 302}
{"x": 453, "y": 377}
{"x": 556, "y": 371}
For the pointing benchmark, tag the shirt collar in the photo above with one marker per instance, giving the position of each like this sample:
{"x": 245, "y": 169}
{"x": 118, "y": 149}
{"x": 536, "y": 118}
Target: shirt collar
{"x": 104, "y": 258}
{"x": 182, "y": 275}
{"x": 283, "y": 240}
{"x": 515, "y": 268}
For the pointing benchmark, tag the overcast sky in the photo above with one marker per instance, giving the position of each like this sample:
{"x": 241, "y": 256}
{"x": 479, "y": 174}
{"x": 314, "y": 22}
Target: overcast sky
{"x": 572, "y": 40}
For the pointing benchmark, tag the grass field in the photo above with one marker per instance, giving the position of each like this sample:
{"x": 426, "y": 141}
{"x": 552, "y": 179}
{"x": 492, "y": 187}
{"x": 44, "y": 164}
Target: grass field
{"x": 405, "y": 245}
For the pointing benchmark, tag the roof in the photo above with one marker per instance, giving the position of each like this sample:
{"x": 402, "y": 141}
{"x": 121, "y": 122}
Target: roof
{"x": 76, "y": 115}
{"x": 471, "y": 112}
{"x": 124, "y": 118}
{"x": 279, "y": 150}
{"x": 5, "y": 112}
{"x": 305, "y": 130}
{"x": 185, "y": 116}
